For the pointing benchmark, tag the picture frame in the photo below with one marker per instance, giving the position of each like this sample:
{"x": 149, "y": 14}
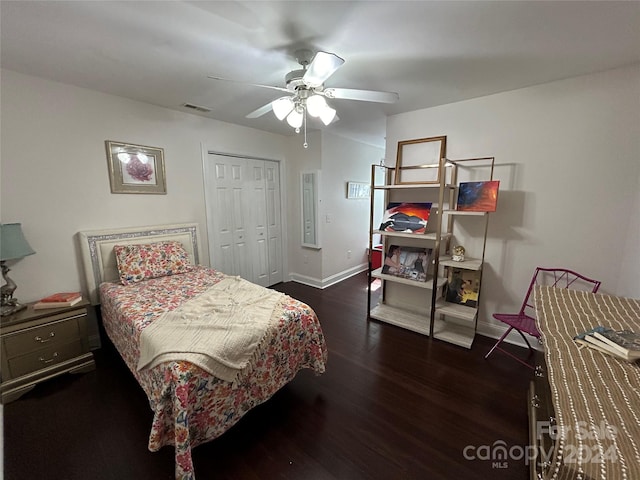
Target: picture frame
{"x": 418, "y": 161}
{"x": 411, "y": 263}
{"x": 136, "y": 168}
{"x": 406, "y": 217}
{"x": 358, "y": 190}
{"x": 478, "y": 196}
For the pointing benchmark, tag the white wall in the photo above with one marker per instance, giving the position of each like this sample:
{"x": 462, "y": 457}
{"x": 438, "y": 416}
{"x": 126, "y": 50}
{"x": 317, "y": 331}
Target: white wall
{"x": 568, "y": 159}
{"x": 55, "y": 179}
{"x": 345, "y": 222}
{"x": 339, "y": 161}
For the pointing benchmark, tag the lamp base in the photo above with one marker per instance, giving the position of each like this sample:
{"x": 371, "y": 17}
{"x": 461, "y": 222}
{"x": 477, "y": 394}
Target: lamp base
{"x": 7, "y": 310}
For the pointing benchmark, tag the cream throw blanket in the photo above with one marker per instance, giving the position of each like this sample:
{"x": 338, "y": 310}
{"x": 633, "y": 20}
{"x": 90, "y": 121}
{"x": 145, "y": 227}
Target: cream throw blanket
{"x": 218, "y": 330}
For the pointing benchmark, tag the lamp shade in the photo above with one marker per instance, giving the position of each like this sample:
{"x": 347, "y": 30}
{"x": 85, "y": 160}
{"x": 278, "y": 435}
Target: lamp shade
{"x": 327, "y": 115}
{"x": 316, "y": 105}
{"x": 12, "y": 242}
{"x": 294, "y": 119}
{"x": 282, "y": 106}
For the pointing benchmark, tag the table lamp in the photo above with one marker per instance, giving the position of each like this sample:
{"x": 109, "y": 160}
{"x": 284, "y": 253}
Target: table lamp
{"x": 13, "y": 246}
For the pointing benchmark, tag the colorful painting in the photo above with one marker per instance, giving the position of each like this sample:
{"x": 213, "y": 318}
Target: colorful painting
{"x": 478, "y": 196}
{"x": 463, "y": 287}
{"x": 407, "y": 262}
{"x": 406, "y": 217}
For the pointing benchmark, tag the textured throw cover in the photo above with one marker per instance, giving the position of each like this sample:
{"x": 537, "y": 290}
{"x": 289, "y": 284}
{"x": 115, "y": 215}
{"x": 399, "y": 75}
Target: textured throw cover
{"x": 596, "y": 397}
{"x": 218, "y": 330}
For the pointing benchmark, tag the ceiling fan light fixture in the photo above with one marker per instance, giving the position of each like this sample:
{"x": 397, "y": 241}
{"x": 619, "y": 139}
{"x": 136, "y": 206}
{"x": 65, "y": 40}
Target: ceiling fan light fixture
{"x": 316, "y": 104}
{"x": 327, "y": 115}
{"x": 294, "y": 119}
{"x": 282, "y": 107}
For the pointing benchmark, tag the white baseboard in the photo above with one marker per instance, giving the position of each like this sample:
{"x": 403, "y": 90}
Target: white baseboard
{"x": 327, "y": 282}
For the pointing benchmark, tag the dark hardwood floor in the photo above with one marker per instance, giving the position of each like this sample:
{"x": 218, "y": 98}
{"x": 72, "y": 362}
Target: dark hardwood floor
{"x": 392, "y": 404}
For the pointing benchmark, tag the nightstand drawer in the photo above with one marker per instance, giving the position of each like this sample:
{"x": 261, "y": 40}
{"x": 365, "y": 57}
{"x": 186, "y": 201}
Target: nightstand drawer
{"x": 45, "y": 357}
{"x": 33, "y": 339}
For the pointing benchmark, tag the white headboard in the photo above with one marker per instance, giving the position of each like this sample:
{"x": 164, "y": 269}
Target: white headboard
{"x": 99, "y": 260}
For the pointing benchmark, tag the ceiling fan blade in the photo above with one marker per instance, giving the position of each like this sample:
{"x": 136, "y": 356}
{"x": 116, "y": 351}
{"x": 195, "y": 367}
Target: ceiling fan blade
{"x": 260, "y": 111}
{"x": 280, "y": 89}
{"x": 322, "y": 67}
{"x": 363, "y": 95}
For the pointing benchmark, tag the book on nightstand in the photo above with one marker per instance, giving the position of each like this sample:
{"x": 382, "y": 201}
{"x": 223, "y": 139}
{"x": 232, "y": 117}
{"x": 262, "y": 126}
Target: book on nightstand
{"x": 57, "y": 300}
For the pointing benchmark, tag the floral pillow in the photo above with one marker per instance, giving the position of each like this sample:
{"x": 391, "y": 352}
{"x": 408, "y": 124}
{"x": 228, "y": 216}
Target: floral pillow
{"x": 142, "y": 262}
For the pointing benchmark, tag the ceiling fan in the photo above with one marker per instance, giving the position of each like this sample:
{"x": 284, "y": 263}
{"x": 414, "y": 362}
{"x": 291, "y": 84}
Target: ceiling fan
{"x": 306, "y": 93}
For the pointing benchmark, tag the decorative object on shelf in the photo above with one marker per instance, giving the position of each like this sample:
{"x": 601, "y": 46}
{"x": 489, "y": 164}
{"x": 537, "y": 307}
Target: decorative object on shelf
{"x": 463, "y": 287}
{"x": 418, "y": 160}
{"x": 458, "y": 253}
{"x": 478, "y": 196}
{"x": 13, "y": 246}
{"x": 358, "y": 190}
{"x": 407, "y": 262}
{"x": 406, "y": 217}
{"x": 136, "y": 168}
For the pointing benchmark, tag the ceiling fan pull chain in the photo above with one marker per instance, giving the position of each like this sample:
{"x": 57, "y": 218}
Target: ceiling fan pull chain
{"x": 305, "y": 144}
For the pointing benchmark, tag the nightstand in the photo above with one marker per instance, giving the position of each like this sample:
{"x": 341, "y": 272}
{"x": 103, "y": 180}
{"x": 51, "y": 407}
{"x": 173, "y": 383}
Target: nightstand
{"x": 37, "y": 345}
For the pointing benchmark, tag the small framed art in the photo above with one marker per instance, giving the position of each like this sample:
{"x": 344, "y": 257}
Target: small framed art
{"x": 136, "y": 168}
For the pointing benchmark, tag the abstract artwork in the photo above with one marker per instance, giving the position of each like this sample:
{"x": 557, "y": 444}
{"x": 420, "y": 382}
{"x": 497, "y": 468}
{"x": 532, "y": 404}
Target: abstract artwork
{"x": 478, "y": 196}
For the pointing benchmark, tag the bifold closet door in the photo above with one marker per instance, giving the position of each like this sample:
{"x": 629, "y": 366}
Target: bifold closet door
{"x": 244, "y": 218}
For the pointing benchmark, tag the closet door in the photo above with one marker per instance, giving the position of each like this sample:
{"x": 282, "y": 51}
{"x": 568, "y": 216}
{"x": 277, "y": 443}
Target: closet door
{"x": 244, "y": 217}
{"x": 227, "y": 216}
{"x": 274, "y": 221}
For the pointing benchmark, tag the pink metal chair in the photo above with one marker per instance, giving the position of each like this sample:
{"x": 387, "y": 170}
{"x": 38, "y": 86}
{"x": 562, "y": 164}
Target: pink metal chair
{"x": 524, "y": 321}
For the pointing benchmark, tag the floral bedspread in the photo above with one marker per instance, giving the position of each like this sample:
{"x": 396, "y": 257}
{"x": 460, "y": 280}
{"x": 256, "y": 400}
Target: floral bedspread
{"x": 191, "y": 406}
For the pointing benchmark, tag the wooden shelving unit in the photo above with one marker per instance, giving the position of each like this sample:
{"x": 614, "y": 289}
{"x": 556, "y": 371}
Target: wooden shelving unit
{"x": 416, "y": 305}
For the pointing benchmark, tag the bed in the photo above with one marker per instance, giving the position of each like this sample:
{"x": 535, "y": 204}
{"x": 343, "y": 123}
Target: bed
{"x": 197, "y": 399}
{"x": 585, "y": 405}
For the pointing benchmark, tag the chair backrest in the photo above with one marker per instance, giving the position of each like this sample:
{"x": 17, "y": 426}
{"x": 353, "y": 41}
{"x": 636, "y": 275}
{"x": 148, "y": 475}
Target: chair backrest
{"x": 559, "y": 278}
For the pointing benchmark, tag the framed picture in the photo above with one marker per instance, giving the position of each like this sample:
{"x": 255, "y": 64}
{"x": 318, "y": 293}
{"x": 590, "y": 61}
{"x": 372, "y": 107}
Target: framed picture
{"x": 478, "y": 196}
{"x": 419, "y": 160}
{"x": 407, "y": 262}
{"x": 135, "y": 168}
{"x": 463, "y": 287}
{"x": 358, "y": 190}
{"x": 406, "y": 217}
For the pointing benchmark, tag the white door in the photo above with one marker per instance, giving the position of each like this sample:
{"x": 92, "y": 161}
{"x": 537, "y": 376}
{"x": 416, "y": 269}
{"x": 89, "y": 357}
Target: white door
{"x": 242, "y": 232}
{"x": 274, "y": 221}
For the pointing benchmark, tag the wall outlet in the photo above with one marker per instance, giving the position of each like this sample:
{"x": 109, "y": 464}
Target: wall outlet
{"x": 305, "y": 259}
{"x": 348, "y": 253}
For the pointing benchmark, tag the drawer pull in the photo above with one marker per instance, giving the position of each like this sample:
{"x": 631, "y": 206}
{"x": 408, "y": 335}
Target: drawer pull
{"x": 53, "y": 357}
{"x": 45, "y": 340}
{"x": 539, "y": 371}
{"x": 535, "y": 401}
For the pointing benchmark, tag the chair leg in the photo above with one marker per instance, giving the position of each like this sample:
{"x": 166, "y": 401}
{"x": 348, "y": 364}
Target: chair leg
{"x": 498, "y": 342}
{"x": 525, "y": 340}
{"x": 496, "y": 346}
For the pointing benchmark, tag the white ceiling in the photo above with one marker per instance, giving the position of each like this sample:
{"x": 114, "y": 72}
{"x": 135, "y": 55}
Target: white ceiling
{"x": 431, "y": 53}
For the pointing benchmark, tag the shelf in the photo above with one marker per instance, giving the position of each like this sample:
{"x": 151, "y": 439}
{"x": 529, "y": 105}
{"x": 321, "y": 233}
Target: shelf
{"x": 406, "y": 281}
{"x": 454, "y": 333}
{"x": 468, "y": 264}
{"x": 458, "y": 334}
{"x": 464, "y": 212}
{"x": 454, "y": 310}
{"x": 417, "y": 236}
{"x": 409, "y": 186}
{"x": 401, "y": 318}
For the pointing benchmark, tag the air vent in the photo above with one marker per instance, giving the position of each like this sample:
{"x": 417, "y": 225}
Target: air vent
{"x": 196, "y": 107}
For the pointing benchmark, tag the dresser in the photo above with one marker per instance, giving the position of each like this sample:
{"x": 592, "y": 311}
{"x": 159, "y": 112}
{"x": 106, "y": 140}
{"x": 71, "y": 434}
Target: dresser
{"x": 37, "y": 345}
